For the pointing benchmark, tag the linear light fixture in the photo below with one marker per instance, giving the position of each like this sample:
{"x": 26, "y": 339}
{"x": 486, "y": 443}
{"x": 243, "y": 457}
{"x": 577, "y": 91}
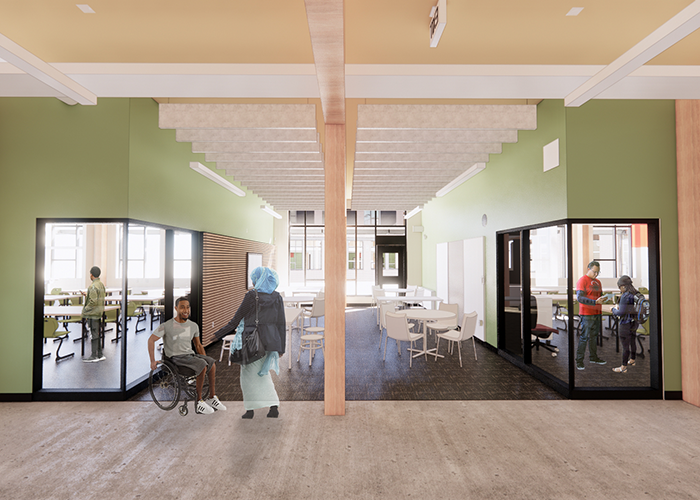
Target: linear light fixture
{"x": 201, "y": 169}
{"x": 85, "y": 8}
{"x": 470, "y": 172}
{"x": 575, "y": 11}
{"x": 413, "y": 212}
{"x": 267, "y": 209}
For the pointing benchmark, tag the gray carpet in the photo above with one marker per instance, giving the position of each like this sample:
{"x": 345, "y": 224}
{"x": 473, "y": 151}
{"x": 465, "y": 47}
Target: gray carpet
{"x": 380, "y": 449}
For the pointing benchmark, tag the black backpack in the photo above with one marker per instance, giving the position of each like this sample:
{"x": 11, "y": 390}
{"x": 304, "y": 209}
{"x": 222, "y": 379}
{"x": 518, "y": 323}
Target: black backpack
{"x": 642, "y": 307}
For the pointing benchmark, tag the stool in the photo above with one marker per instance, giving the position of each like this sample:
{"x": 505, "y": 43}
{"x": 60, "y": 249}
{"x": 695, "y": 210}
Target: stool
{"x": 226, "y": 344}
{"x": 311, "y": 342}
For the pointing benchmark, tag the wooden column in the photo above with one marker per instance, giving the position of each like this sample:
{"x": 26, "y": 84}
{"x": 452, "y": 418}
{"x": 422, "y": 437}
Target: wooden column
{"x": 688, "y": 171}
{"x": 335, "y": 273}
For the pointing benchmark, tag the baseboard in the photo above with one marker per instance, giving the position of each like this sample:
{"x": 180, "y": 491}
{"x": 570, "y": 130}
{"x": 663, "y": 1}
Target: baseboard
{"x": 487, "y": 345}
{"x": 673, "y": 395}
{"x": 15, "y": 398}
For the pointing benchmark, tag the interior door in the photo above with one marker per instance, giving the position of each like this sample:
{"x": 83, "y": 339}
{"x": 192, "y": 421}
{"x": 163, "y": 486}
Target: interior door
{"x": 391, "y": 266}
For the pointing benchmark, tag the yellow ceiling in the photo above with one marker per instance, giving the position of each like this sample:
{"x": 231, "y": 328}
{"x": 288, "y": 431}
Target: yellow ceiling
{"x": 376, "y": 31}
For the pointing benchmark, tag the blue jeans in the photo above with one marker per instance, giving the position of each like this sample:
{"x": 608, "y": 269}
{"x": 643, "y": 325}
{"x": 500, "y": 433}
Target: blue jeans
{"x": 590, "y": 328}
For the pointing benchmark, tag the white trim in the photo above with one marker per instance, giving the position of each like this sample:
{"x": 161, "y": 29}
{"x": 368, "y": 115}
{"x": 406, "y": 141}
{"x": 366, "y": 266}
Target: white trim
{"x": 71, "y": 92}
{"x": 672, "y": 31}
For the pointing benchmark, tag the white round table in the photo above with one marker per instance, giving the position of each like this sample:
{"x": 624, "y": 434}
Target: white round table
{"x": 426, "y": 315}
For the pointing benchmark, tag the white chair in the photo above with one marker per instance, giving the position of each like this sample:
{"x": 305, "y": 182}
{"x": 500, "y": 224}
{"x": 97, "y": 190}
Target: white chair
{"x": 377, "y": 293}
{"x": 384, "y": 308}
{"x": 446, "y": 324}
{"x": 397, "y": 328}
{"x": 226, "y": 345}
{"x": 420, "y": 292}
{"x": 458, "y": 336}
{"x": 317, "y": 310}
{"x": 312, "y": 336}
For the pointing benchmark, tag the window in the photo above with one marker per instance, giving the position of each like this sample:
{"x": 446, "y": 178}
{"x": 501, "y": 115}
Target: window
{"x": 296, "y": 255}
{"x": 307, "y": 244}
{"x": 314, "y": 255}
{"x": 145, "y": 248}
{"x": 65, "y": 255}
{"x": 183, "y": 256}
{"x": 612, "y": 247}
{"x": 354, "y": 257}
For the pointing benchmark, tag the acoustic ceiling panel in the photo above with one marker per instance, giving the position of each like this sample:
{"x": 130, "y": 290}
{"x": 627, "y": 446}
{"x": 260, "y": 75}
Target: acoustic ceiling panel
{"x": 404, "y": 154}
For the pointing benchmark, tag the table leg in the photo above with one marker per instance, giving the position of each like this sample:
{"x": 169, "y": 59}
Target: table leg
{"x": 82, "y": 336}
{"x": 289, "y": 344}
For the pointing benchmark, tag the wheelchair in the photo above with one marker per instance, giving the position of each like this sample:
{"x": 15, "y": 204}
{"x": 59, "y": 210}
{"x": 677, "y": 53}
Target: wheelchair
{"x": 169, "y": 383}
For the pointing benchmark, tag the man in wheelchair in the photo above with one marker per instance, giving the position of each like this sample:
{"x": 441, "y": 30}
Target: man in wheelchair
{"x": 178, "y": 335}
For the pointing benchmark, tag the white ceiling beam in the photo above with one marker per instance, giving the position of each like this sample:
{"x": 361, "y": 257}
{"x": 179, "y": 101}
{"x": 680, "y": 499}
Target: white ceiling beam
{"x": 71, "y": 91}
{"x": 669, "y": 33}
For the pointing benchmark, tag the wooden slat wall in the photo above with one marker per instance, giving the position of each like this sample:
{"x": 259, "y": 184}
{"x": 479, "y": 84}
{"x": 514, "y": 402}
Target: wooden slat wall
{"x": 224, "y": 279}
{"x": 688, "y": 172}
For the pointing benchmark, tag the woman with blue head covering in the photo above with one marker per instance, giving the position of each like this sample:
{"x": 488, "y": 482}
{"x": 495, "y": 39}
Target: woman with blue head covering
{"x": 256, "y": 382}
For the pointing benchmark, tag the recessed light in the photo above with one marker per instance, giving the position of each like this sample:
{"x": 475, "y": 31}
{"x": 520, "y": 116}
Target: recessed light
{"x": 575, "y": 11}
{"x": 85, "y": 8}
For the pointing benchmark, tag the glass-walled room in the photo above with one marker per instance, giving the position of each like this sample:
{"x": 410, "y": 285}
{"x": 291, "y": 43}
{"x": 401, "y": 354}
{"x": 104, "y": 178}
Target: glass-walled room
{"x": 72, "y": 252}
{"x": 578, "y": 306}
{"x": 138, "y": 268}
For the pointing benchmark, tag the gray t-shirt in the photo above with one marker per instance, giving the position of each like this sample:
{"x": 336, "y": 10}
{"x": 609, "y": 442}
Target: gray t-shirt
{"x": 177, "y": 337}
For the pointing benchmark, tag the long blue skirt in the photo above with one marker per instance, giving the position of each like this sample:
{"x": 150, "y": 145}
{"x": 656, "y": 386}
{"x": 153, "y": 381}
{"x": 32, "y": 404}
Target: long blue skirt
{"x": 258, "y": 392}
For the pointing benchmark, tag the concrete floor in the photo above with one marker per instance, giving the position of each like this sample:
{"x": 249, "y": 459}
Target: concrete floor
{"x": 388, "y": 449}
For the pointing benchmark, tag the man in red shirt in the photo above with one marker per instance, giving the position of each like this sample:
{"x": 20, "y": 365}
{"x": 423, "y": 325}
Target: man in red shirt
{"x": 589, "y": 293}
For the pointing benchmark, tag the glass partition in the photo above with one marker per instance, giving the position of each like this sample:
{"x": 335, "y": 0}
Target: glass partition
{"x": 145, "y": 295}
{"x": 592, "y": 324}
{"x": 511, "y": 295}
{"x": 80, "y": 348}
{"x": 614, "y": 341}
{"x": 182, "y": 264}
{"x": 548, "y": 279}
{"x": 76, "y": 352}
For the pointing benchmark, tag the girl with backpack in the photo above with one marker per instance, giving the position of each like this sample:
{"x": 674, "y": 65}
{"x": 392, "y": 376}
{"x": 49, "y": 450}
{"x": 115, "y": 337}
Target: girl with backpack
{"x": 628, "y": 323}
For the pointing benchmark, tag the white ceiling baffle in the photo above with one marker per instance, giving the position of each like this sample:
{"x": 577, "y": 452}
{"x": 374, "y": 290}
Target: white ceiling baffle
{"x": 272, "y": 150}
{"x": 404, "y": 154}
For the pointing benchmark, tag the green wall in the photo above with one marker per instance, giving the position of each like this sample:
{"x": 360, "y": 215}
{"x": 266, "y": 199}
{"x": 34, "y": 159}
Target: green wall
{"x": 104, "y": 161}
{"x": 617, "y": 160}
{"x": 510, "y": 191}
{"x": 163, "y": 189}
{"x": 622, "y": 163}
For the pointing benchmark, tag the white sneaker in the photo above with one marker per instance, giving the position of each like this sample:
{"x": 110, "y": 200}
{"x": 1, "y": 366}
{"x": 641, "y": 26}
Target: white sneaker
{"x": 215, "y": 403}
{"x": 94, "y": 359}
{"x": 203, "y": 408}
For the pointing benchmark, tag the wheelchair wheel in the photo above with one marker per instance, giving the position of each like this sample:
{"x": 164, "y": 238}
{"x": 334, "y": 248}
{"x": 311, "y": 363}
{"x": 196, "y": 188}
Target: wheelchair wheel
{"x": 191, "y": 388}
{"x": 164, "y": 386}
